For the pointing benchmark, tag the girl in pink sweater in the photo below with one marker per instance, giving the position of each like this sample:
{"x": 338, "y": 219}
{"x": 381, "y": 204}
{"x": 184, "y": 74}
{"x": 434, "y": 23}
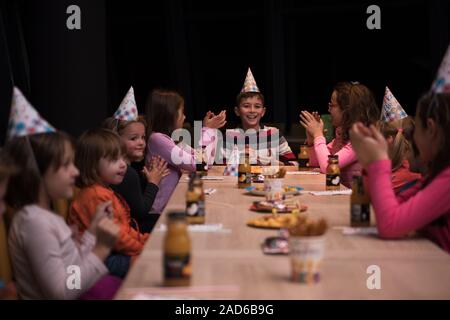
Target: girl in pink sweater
{"x": 425, "y": 207}
{"x": 351, "y": 102}
{"x": 165, "y": 118}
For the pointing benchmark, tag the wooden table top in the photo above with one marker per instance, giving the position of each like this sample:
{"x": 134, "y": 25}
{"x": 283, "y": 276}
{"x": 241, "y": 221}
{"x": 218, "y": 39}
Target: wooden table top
{"x": 231, "y": 265}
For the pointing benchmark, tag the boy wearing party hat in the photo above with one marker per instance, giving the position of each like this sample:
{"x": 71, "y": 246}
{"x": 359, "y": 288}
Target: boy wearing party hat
{"x": 397, "y": 127}
{"x": 250, "y": 109}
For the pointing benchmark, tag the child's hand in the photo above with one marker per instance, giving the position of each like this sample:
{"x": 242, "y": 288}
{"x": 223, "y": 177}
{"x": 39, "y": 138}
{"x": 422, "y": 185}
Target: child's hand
{"x": 312, "y": 123}
{"x": 215, "y": 122}
{"x": 158, "y": 170}
{"x": 368, "y": 143}
{"x": 104, "y": 210}
{"x": 107, "y": 232}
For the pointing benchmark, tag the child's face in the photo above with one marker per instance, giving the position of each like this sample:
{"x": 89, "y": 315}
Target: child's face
{"x": 180, "y": 118}
{"x": 112, "y": 171}
{"x": 335, "y": 111}
{"x": 133, "y": 135}
{"x": 59, "y": 183}
{"x": 3, "y": 187}
{"x": 250, "y": 110}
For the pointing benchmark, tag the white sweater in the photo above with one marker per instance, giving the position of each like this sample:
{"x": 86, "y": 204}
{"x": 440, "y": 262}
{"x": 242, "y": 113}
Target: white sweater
{"x": 42, "y": 247}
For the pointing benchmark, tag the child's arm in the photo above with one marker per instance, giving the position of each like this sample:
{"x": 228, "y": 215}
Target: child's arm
{"x": 181, "y": 156}
{"x": 346, "y": 155}
{"x": 130, "y": 242}
{"x": 286, "y": 154}
{"x": 395, "y": 219}
{"x": 139, "y": 203}
{"x": 173, "y": 154}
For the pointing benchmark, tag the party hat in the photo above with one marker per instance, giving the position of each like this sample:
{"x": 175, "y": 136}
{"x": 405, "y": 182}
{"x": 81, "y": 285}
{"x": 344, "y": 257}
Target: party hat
{"x": 231, "y": 169}
{"x": 24, "y": 119}
{"x": 127, "y": 110}
{"x": 391, "y": 110}
{"x": 249, "y": 83}
{"x": 442, "y": 81}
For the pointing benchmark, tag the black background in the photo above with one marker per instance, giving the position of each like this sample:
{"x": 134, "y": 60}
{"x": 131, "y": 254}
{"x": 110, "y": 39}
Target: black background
{"x": 297, "y": 51}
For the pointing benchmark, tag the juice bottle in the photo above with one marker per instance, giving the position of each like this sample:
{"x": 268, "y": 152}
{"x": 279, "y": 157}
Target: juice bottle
{"x": 333, "y": 175}
{"x": 359, "y": 204}
{"x": 177, "y": 251}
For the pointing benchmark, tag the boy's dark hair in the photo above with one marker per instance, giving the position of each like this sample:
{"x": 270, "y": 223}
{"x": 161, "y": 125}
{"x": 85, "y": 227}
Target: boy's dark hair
{"x": 245, "y": 95}
{"x": 357, "y": 104}
{"x": 436, "y": 106}
{"x": 92, "y": 146}
{"x": 162, "y": 110}
{"x": 33, "y": 156}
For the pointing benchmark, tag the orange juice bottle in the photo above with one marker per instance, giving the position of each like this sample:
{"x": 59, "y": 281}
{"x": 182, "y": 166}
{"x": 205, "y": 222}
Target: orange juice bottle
{"x": 245, "y": 170}
{"x": 333, "y": 175}
{"x": 201, "y": 166}
{"x": 303, "y": 157}
{"x": 359, "y": 204}
{"x": 195, "y": 201}
{"x": 177, "y": 251}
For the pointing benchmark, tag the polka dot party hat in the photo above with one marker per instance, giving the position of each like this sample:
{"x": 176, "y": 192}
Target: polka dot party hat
{"x": 24, "y": 120}
{"x": 391, "y": 110}
{"x": 442, "y": 82}
{"x": 127, "y": 110}
{"x": 249, "y": 83}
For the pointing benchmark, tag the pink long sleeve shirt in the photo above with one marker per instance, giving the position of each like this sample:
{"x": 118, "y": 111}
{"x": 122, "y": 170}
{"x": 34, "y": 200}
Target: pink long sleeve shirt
{"x": 422, "y": 209}
{"x": 178, "y": 157}
{"x": 348, "y": 163}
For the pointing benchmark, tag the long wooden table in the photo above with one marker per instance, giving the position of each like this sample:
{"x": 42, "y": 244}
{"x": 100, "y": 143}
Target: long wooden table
{"x": 231, "y": 265}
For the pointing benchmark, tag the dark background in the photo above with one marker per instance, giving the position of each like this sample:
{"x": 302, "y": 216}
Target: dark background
{"x": 297, "y": 51}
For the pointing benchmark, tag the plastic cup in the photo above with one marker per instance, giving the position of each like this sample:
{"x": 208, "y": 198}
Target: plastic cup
{"x": 306, "y": 254}
{"x": 273, "y": 188}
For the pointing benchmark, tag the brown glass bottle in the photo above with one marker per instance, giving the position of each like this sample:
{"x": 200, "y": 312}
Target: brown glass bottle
{"x": 201, "y": 166}
{"x": 177, "y": 251}
{"x": 245, "y": 170}
{"x": 303, "y": 157}
{"x": 333, "y": 175}
{"x": 195, "y": 201}
{"x": 359, "y": 204}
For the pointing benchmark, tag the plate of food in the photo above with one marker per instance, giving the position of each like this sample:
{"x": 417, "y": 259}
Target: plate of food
{"x": 281, "y": 206}
{"x": 259, "y": 190}
{"x": 273, "y": 221}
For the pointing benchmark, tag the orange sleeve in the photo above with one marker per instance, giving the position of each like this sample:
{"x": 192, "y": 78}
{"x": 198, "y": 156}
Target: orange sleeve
{"x": 130, "y": 241}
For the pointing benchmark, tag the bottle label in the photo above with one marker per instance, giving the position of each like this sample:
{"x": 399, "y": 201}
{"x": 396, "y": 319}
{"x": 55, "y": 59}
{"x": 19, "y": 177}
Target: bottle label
{"x": 333, "y": 180}
{"x": 303, "y": 162}
{"x": 177, "y": 266}
{"x": 201, "y": 167}
{"x": 245, "y": 177}
{"x": 195, "y": 208}
{"x": 360, "y": 213}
